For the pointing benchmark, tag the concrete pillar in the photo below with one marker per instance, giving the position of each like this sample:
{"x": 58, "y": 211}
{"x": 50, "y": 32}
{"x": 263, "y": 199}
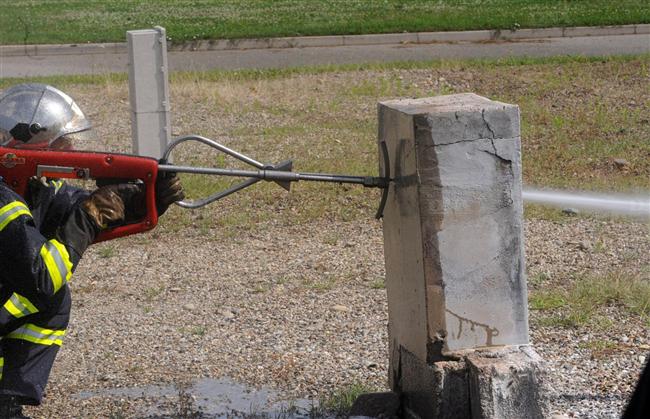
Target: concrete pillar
{"x": 149, "y": 91}
{"x": 453, "y": 243}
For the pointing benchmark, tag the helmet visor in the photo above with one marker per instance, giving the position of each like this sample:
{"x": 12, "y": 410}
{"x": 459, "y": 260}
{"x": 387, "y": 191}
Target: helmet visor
{"x": 80, "y": 141}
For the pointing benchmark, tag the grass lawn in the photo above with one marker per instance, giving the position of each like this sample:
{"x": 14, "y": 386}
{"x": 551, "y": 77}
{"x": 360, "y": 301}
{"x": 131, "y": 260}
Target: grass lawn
{"x": 77, "y": 21}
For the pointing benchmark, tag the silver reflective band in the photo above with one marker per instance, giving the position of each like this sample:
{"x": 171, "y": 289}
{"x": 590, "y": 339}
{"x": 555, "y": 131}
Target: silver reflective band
{"x": 38, "y": 335}
{"x": 19, "y": 309}
{"x": 11, "y": 211}
{"x": 58, "y": 264}
{"x": 58, "y": 259}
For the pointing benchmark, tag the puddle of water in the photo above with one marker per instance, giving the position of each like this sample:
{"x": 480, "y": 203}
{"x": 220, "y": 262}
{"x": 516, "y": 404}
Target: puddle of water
{"x": 214, "y": 398}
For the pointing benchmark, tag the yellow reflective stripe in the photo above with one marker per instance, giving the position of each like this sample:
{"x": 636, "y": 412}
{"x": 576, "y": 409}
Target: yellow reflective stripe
{"x": 65, "y": 258}
{"x": 39, "y": 335}
{"x": 2, "y": 364}
{"x": 19, "y": 306}
{"x": 57, "y": 185}
{"x": 57, "y": 261}
{"x": 11, "y": 211}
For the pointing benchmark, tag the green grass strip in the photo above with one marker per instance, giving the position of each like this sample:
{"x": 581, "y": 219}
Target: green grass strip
{"x": 77, "y": 21}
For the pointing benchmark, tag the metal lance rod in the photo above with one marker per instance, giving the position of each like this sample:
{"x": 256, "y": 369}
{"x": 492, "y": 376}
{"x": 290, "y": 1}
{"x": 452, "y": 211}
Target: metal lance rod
{"x": 279, "y": 173}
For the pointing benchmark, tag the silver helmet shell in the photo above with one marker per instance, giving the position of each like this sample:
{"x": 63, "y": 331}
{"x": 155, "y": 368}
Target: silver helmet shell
{"x": 36, "y": 115}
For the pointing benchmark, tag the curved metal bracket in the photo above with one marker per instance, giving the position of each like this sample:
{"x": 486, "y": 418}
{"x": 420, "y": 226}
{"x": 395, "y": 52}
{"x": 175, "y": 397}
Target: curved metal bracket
{"x": 386, "y": 176}
{"x": 198, "y": 203}
{"x": 280, "y": 173}
{"x": 213, "y": 144}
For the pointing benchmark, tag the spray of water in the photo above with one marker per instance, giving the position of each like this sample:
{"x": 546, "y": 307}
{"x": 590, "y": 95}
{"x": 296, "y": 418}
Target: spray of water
{"x": 634, "y": 206}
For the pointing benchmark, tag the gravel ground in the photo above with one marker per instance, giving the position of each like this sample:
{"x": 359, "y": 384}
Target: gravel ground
{"x": 592, "y": 369}
{"x": 298, "y": 308}
{"x": 295, "y": 310}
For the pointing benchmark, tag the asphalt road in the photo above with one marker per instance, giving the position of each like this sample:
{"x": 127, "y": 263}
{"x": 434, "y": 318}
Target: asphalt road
{"x": 28, "y": 66}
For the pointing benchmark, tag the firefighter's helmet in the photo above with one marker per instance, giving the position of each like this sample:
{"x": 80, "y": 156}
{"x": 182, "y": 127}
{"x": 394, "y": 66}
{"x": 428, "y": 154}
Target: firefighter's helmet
{"x": 36, "y": 115}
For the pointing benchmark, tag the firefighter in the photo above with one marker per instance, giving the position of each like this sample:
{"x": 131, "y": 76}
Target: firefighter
{"x": 43, "y": 237}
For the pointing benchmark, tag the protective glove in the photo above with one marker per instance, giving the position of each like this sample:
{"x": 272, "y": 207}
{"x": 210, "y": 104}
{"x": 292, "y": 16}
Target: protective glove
{"x": 105, "y": 206}
{"x": 168, "y": 191}
{"x": 36, "y": 188}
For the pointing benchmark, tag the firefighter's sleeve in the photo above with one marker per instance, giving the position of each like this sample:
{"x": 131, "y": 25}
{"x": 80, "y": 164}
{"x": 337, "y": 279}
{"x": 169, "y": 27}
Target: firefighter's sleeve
{"x": 51, "y": 202}
{"x": 35, "y": 267}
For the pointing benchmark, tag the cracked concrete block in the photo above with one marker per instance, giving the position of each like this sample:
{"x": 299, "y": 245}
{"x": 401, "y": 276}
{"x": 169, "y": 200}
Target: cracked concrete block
{"x": 453, "y": 244}
{"x": 453, "y": 225}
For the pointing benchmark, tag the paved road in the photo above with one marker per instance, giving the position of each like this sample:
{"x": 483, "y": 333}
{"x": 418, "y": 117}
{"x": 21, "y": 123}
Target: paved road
{"x": 26, "y": 66}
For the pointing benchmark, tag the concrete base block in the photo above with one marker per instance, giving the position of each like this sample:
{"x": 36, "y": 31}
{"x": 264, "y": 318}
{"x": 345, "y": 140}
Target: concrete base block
{"x": 496, "y": 383}
{"x": 438, "y": 390}
{"x": 505, "y": 383}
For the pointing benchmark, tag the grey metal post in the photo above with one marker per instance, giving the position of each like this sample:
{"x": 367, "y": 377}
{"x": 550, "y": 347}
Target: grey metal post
{"x": 149, "y": 91}
{"x": 453, "y": 237}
